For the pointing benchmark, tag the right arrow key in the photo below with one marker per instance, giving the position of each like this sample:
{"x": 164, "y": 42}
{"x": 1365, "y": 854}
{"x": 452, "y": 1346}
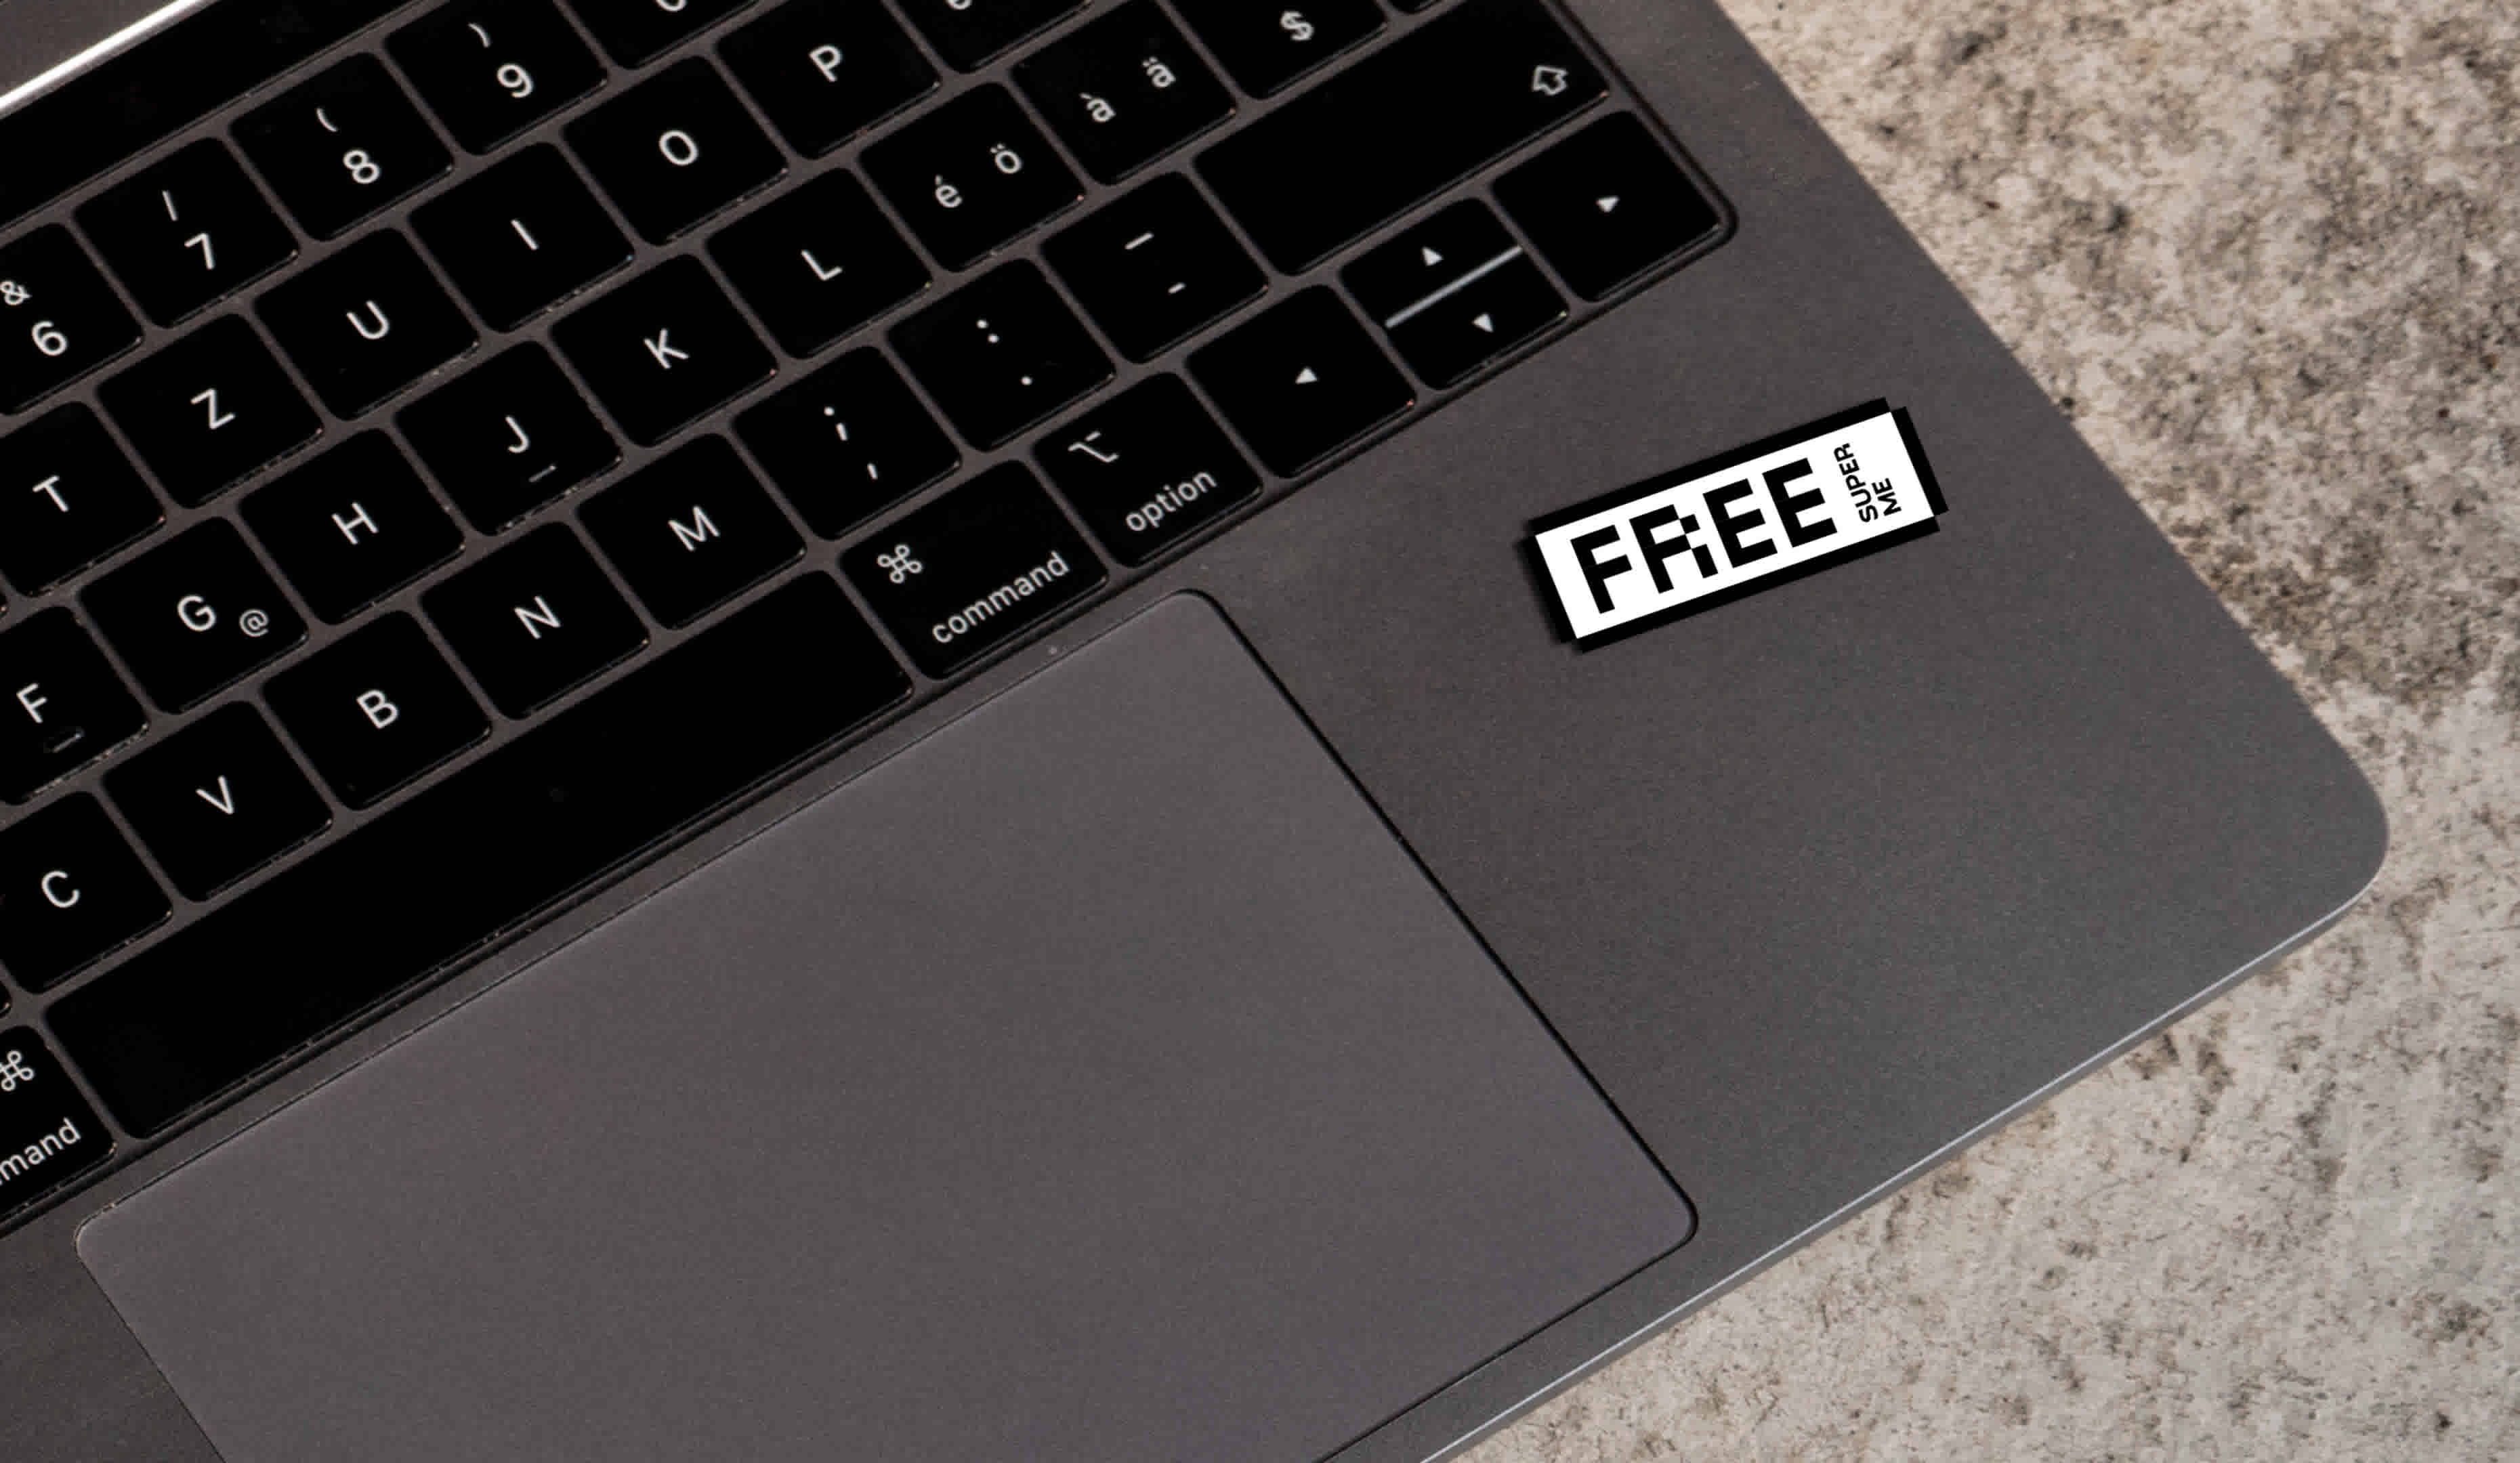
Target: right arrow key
{"x": 1606, "y": 206}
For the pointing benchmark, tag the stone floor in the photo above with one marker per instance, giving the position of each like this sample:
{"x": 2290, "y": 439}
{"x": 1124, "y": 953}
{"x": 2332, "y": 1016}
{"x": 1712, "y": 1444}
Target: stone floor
{"x": 2267, "y": 254}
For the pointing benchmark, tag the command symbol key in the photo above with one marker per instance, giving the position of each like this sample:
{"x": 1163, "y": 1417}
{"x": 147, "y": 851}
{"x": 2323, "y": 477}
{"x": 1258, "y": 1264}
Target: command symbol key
{"x": 48, "y": 1133}
{"x": 973, "y": 570}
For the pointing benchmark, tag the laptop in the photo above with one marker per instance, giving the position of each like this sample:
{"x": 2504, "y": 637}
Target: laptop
{"x": 1023, "y": 729}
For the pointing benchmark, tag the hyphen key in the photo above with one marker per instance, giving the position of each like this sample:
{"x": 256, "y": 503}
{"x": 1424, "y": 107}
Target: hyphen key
{"x": 1396, "y": 127}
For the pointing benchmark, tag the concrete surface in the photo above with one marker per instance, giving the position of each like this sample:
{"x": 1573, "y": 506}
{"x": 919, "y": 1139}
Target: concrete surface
{"x": 2268, "y": 253}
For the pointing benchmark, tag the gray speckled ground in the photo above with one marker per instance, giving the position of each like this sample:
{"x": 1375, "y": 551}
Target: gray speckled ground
{"x": 2268, "y": 253}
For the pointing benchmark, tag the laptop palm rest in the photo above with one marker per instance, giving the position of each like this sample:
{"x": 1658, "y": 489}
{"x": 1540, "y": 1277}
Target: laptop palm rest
{"x": 1097, "y": 1078}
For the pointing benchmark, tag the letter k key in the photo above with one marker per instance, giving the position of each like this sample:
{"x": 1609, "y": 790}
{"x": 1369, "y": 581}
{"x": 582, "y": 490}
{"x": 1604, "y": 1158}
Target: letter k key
{"x": 665, "y": 349}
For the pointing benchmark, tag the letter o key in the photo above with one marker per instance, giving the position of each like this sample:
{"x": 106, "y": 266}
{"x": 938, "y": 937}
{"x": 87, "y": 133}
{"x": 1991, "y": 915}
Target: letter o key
{"x": 679, "y": 148}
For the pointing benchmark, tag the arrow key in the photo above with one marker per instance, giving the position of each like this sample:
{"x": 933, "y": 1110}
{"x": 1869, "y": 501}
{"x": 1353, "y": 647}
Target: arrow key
{"x": 1505, "y": 302}
{"x": 1425, "y": 258}
{"x": 1607, "y": 205}
{"x": 1301, "y": 381}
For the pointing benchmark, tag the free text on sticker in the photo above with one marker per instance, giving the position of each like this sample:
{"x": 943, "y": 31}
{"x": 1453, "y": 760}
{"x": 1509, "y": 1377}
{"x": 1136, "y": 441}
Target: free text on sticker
{"x": 1652, "y": 552}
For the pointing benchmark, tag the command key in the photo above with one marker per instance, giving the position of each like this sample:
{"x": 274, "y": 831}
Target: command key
{"x": 48, "y": 1133}
{"x": 973, "y": 569}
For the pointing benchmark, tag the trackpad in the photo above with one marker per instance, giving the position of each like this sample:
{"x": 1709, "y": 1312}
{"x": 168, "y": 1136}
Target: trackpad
{"x": 1096, "y": 1080}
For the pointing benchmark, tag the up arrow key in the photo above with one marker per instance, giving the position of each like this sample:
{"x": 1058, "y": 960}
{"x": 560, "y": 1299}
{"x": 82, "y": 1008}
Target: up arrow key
{"x": 1486, "y": 323}
{"x": 1305, "y": 376}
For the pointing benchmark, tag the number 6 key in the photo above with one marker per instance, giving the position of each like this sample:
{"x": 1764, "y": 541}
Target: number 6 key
{"x": 57, "y": 318}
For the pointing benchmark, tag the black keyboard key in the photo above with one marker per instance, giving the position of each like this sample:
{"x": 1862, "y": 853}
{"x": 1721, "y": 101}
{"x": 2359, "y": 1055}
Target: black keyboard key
{"x": 664, "y": 349}
{"x": 65, "y": 708}
{"x": 691, "y": 531}
{"x": 377, "y": 710}
{"x": 491, "y": 69}
{"x": 847, "y": 442}
{"x": 59, "y": 320}
{"x": 675, "y": 148}
{"x": 523, "y": 236}
{"x": 1300, "y": 380}
{"x": 67, "y": 499}
{"x": 340, "y": 147}
{"x": 1267, "y": 45}
{"x": 365, "y": 323}
{"x": 508, "y": 439}
{"x": 195, "y": 614}
{"x": 70, "y": 891}
{"x": 49, "y": 1133}
{"x": 1455, "y": 292}
{"x": 973, "y": 569}
{"x": 968, "y": 33}
{"x": 971, "y": 175}
{"x": 1446, "y": 339}
{"x": 535, "y": 820}
{"x": 207, "y": 411}
{"x": 1000, "y": 353}
{"x": 1155, "y": 267}
{"x": 217, "y": 800}
{"x": 1147, "y": 468}
{"x": 819, "y": 263}
{"x": 1123, "y": 90}
{"x": 638, "y": 31}
{"x": 125, "y": 103}
{"x": 534, "y": 619}
{"x": 352, "y": 526}
{"x": 827, "y": 69}
{"x": 1607, "y": 205}
{"x": 187, "y": 232}
{"x": 1399, "y": 126}
{"x": 1426, "y": 257}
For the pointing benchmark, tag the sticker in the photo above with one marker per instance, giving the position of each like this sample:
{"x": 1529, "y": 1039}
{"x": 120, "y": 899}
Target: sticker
{"x": 1745, "y": 522}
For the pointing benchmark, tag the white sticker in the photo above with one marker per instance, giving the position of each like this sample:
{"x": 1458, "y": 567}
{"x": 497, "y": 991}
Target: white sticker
{"x": 1674, "y": 544}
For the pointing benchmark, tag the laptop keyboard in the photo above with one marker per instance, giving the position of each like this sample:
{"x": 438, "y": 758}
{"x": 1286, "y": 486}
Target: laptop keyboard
{"x": 450, "y": 451}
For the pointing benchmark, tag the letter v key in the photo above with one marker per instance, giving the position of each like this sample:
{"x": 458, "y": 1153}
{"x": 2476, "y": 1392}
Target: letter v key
{"x": 224, "y": 800}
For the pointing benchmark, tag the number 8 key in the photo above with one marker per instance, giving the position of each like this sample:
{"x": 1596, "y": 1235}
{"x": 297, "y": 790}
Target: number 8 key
{"x": 342, "y": 145}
